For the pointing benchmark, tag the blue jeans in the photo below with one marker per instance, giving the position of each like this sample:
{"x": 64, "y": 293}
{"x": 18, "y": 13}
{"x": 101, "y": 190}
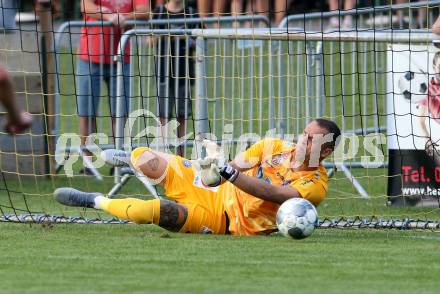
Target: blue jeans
{"x": 88, "y": 87}
{"x": 8, "y": 10}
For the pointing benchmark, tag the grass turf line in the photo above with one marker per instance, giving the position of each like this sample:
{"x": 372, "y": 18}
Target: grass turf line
{"x": 131, "y": 258}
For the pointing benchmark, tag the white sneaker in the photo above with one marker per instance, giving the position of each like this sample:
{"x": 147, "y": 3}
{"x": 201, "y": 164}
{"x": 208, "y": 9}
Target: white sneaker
{"x": 348, "y": 23}
{"x": 334, "y": 22}
{"x": 116, "y": 157}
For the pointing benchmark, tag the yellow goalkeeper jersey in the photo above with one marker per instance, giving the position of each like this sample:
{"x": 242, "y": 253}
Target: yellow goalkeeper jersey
{"x": 271, "y": 159}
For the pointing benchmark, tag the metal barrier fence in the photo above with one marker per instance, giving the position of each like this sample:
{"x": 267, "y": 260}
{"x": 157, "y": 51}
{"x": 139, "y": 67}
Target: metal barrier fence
{"x": 328, "y": 65}
{"x": 398, "y": 16}
{"x": 65, "y": 49}
{"x": 252, "y": 89}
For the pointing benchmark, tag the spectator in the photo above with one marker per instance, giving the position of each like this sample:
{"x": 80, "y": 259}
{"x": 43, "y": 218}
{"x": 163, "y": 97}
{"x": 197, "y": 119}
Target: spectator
{"x": 56, "y": 7}
{"x": 237, "y": 9}
{"x": 175, "y": 87}
{"x": 211, "y": 8}
{"x": 18, "y": 120}
{"x": 251, "y": 6}
{"x": 421, "y": 15}
{"x": 348, "y": 19}
{"x": 260, "y": 7}
{"x": 280, "y": 10}
{"x": 90, "y": 55}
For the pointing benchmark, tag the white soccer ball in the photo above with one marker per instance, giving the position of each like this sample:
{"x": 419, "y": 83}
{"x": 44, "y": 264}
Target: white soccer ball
{"x": 296, "y": 218}
{"x": 413, "y": 86}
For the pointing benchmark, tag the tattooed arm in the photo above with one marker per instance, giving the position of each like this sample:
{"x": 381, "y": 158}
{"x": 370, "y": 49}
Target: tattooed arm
{"x": 152, "y": 164}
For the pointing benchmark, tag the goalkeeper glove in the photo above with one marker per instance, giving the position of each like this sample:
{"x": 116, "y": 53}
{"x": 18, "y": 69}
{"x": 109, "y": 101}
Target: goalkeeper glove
{"x": 209, "y": 171}
{"x": 211, "y": 174}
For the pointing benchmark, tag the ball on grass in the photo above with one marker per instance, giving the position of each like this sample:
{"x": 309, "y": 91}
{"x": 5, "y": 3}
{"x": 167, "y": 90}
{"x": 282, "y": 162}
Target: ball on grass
{"x": 296, "y": 218}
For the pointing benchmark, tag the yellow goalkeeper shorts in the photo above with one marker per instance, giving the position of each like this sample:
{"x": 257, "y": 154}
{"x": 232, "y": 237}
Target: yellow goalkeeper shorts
{"x": 182, "y": 183}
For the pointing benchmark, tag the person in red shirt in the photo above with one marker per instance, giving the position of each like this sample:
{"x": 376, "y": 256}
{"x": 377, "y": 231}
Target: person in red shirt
{"x": 96, "y": 49}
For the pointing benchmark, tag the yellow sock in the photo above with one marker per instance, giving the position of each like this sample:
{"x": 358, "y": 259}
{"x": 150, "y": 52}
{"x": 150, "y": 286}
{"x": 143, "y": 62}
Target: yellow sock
{"x": 135, "y": 210}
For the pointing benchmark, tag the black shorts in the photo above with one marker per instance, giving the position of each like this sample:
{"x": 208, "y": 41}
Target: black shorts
{"x": 184, "y": 107}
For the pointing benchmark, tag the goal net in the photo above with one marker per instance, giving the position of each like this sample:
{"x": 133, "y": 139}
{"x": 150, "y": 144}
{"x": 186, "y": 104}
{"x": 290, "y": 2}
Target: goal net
{"x": 243, "y": 81}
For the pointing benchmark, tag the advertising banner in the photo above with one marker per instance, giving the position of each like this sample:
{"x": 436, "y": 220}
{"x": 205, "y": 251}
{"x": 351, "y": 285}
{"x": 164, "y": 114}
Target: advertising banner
{"x": 413, "y": 125}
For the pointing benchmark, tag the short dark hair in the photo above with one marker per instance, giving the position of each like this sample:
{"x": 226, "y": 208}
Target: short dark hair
{"x": 332, "y": 128}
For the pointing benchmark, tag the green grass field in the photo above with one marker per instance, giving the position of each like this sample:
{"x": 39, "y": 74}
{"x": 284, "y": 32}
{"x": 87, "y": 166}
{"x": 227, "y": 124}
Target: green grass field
{"x": 144, "y": 259}
{"x": 67, "y": 258}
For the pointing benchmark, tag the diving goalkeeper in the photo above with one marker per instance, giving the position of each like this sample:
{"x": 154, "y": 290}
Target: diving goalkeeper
{"x": 240, "y": 198}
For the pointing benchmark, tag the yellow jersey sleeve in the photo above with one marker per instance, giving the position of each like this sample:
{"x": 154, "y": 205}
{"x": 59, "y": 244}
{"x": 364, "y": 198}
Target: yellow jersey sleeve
{"x": 255, "y": 154}
{"x": 313, "y": 189}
